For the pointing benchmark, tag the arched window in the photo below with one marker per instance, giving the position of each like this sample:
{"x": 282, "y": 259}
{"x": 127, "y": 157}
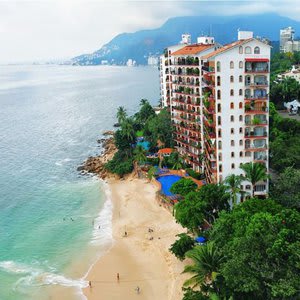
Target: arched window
{"x": 240, "y": 92}
{"x": 219, "y": 144}
{"x": 219, "y": 132}
{"x": 240, "y": 78}
{"x": 232, "y": 166}
{"x": 256, "y": 50}
{"x": 241, "y": 142}
{"x": 231, "y": 78}
{"x": 231, "y": 105}
{"x": 241, "y": 105}
{"x": 241, "y": 129}
{"x": 241, "y": 154}
{"x": 219, "y": 107}
{"x": 218, "y": 80}
{"x": 241, "y": 65}
{"x": 232, "y": 154}
{"x": 220, "y": 168}
{"x": 232, "y": 142}
{"x": 241, "y": 50}
{"x": 218, "y": 66}
{"x": 231, "y": 118}
{"x": 231, "y": 92}
{"x": 231, "y": 65}
{"x": 232, "y": 130}
{"x": 248, "y": 50}
{"x": 241, "y": 118}
{"x": 220, "y": 156}
{"x": 218, "y": 94}
{"x": 219, "y": 121}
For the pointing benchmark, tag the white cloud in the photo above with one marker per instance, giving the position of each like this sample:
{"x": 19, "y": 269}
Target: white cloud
{"x": 64, "y": 28}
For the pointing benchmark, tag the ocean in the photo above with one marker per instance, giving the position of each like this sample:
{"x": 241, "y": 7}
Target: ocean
{"x": 50, "y": 120}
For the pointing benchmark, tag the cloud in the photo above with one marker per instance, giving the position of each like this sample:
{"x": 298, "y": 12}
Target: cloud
{"x": 35, "y": 30}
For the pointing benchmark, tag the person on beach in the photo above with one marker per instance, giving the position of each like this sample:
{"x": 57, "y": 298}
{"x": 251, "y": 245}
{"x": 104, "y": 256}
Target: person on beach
{"x": 137, "y": 289}
{"x": 125, "y": 234}
{"x": 118, "y": 277}
{"x": 90, "y": 284}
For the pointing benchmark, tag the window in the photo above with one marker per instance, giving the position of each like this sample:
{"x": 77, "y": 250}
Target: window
{"x": 248, "y": 187}
{"x": 248, "y": 50}
{"x": 240, "y": 78}
{"x": 241, "y": 105}
{"x": 219, "y": 107}
{"x": 218, "y": 66}
{"x": 241, "y": 142}
{"x": 218, "y": 94}
{"x": 241, "y": 50}
{"x": 241, "y": 118}
{"x": 220, "y": 178}
{"x": 219, "y": 121}
{"x": 232, "y": 166}
{"x": 231, "y": 92}
{"x": 241, "y": 154}
{"x": 218, "y": 80}
{"x": 219, "y": 133}
{"x": 220, "y": 156}
{"x": 220, "y": 168}
{"x": 248, "y": 154}
{"x": 219, "y": 144}
{"x": 256, "y": 50}
{"x": 232, "y": 142}
{"x": 240, "y": 92}
{"x": 231, "y": 65}
{"x": 231, "y": 78}
{"x": 231, "y": 118}
{"x": 231, "y": 105}
{"x": 232, "y": 130}
{"x": 232, "y": 154}
{"x": 241, "y": 129}
{"x": 241, "y": 65}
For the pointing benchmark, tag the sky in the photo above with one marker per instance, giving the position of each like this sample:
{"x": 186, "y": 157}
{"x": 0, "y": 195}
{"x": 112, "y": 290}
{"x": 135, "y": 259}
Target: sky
{"x": 60, "y": 29}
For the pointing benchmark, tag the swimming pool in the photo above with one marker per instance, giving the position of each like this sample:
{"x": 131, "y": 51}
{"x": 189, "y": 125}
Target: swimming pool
{"x": 166, "y": 183}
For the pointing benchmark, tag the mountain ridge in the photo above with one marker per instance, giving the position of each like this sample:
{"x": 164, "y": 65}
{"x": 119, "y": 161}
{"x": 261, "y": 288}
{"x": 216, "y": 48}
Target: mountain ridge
{"x": 141, "y": 44}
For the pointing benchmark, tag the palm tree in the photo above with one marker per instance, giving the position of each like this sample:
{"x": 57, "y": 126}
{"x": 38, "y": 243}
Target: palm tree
{"x": 128, "y": 130}
{"x": 207, "y": 261}
{"x": 143, "y": 102}
{"x": 121, "y": 114}
{"x": 233, "y": 182}
{"x": 177, "y": 161}
{"x": 151, "y": 173}
{"x": 139, "y": 154}
{"x": 254, "y": 172}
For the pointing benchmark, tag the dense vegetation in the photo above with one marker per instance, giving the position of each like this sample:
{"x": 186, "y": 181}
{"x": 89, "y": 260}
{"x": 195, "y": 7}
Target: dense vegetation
{"x": 155, "y": 128}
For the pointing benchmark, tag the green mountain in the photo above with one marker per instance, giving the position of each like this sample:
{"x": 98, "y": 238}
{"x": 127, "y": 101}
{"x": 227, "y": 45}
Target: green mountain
{"x": 139, "y": 45}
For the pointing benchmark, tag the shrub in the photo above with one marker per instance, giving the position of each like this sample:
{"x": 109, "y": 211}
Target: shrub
{"x": 183, "y": 186}
{"x": 120, "y": 165}
{"x": 181, "y": 246}
{"x": 195, "y": 175}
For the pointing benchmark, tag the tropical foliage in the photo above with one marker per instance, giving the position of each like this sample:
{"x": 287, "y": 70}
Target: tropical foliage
{"x": 183, "y": 186}
{"x": 182, "y": 245}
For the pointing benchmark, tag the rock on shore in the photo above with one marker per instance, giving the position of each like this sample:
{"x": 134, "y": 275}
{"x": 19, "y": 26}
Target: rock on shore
{"x": 95, "y": 164}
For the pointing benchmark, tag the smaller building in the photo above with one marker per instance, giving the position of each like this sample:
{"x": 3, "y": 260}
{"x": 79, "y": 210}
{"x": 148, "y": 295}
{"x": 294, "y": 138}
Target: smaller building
{"x": 294, "y": 73}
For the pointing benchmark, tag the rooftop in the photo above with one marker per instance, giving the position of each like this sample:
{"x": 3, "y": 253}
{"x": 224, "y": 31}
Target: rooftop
{"x": 192, "y": 49}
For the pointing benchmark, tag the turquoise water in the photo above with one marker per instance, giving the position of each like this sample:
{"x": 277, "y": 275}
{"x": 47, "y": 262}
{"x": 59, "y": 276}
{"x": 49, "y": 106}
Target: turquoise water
{"x": 50, "y": 119}
{"x": 166, "y": 183}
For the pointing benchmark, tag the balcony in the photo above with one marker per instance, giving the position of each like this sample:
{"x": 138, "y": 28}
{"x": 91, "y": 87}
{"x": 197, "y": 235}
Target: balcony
{"x": 206, "y": 69}
{"x": 253, "y": 134}
{"x": 260, "y": 190}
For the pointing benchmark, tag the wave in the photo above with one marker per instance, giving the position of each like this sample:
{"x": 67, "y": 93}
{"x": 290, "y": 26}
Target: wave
{"x": 35, "y": 277}
{"x": 63, "y": 161}
{"x": 102, "y": 232}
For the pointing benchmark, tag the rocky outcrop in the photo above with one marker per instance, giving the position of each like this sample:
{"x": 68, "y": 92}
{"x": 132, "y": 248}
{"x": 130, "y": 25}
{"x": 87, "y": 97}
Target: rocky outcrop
{"x": 96, "y": 164}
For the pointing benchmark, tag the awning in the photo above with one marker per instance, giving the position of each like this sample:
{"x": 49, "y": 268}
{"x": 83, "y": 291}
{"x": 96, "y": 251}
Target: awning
{"x": 257, "y": 59}
{"x": 200, "y": 239}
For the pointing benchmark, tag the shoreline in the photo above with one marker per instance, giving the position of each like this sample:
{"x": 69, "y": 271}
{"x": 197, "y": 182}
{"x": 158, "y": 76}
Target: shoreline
{"x": 142, "y": 258}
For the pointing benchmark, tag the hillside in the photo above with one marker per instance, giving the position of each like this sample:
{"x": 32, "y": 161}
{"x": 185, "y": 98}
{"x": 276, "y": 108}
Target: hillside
{"x": 139, "y": 45}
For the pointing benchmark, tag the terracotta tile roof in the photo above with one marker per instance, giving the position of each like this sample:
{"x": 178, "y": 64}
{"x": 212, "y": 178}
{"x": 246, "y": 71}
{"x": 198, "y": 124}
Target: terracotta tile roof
{"x": 226, "y": 47}
{"x": 165, "y": 150}
{"x": 192, "y": 49}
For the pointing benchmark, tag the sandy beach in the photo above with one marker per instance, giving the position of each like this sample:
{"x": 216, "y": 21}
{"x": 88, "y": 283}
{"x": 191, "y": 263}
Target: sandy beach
{"x": 141, "y": 258}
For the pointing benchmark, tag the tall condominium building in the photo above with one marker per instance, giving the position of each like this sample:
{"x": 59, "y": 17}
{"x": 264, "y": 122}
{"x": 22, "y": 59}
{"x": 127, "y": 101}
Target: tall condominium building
{"x": 286, "y": 35}
{"x": 219, "y": 106}
{"x": 166, "y": 62}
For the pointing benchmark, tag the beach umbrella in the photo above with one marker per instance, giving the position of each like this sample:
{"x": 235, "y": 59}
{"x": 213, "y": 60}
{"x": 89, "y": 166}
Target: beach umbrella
{"x": 200, "y": 239}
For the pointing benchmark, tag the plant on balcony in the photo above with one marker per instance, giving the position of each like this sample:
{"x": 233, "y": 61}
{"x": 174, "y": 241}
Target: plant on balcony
{"x": 189, "y": 60}
{"x": 196, "y": 71}
{"x": 247, "y": 107}
{"x": 256, "y": 121}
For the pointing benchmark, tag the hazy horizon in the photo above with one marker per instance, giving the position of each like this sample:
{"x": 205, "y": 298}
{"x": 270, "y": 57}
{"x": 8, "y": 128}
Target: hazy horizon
{"x": 47, "y": 30}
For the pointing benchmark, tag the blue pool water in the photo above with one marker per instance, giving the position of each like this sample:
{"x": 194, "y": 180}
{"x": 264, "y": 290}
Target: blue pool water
{"x": 145, "y": 145}
{"x": 166, "y": 183}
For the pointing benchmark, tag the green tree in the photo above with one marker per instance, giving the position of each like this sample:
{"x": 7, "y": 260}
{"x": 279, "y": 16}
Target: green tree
{"x": 260, "y": 243}
{"x": 183, "y": 186}
{"x": 190, "y": 294}
{"x": 128, "y": 130}
{"x": 182, "y": 245}
{"x": 139, "y": 154}
{"x": 233, "y": 183}
{"x": 151, "y": 173}
{"x": 286, "y": 189}
{"x": 254, "y": 172}
{"x": 146, "y": 112}
{"x": 121, "y": 114}
{"x": 176, "y": 160}
{"x": 205, "y": 268}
